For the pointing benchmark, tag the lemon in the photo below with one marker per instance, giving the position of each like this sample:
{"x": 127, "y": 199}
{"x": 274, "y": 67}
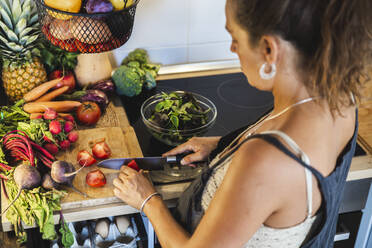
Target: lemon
{"x": 119, "y": 4}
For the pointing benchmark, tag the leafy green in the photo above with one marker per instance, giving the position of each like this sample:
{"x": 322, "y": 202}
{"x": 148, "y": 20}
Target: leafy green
{"x": 33, "y": 206}
{"x": 67, "y": 238}
{"x": 10, "y": 116}
{"x": 179, "y": 111}
{"x": 36, "y": 130}
{"x": 57, "y": 58}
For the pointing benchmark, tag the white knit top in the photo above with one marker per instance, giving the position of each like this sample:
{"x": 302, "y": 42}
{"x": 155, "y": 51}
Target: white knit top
{"x": 265, "y": 236}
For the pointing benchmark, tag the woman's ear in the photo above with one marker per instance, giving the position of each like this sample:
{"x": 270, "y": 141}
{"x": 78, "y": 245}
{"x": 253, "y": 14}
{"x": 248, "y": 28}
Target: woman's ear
{"x": 270, "y": 49}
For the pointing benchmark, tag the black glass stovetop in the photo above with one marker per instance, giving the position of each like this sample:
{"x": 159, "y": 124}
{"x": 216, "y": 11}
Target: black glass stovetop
{"x": 237, "y": 104}
{"x": 236, "y": 101}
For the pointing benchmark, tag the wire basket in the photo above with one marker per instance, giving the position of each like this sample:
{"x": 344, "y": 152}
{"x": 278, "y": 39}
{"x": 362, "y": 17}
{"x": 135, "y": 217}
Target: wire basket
{"x": 86, "y": 33}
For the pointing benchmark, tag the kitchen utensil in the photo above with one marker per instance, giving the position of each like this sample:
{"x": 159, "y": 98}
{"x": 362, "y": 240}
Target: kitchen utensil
{"x": 146, "y": 163}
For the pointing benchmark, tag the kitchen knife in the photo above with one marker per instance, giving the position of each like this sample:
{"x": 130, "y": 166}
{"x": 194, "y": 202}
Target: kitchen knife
{"x": 146, "y": 163}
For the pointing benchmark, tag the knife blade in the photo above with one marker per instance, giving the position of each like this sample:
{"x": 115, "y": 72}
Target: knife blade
{"x": 146, "y": 163}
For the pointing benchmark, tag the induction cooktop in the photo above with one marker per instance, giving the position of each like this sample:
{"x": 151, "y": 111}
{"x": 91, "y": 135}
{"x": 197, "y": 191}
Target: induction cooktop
{"x": 237, "y": 104}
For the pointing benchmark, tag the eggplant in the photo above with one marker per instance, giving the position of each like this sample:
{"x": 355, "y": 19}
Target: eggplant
{"x": 106, "y": 86}
{"x": 96, "y": 96}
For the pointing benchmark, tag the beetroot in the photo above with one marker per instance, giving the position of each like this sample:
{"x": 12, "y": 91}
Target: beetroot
{"x": 26, "y": 177}
{"x": 55, "y": 127}
{"x": 73, "y": 136}
{"x": 48, "y": 183}
{"x": 64, "y": 144}
{"x": 69, "y": 126}
{"x": 50, "y": 114}
{"x": 52, "y": 148}
{"x": 64, "y": 173}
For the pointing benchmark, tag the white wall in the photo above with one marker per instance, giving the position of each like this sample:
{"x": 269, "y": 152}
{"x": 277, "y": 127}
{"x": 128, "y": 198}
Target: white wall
{"x": 179, "y": 31}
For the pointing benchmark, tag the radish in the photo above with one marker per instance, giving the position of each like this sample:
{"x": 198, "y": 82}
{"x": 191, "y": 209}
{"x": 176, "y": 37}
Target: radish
{"x": 25, "y": 177}
{"x": 73, "y": 136}
{"x": 69, "y": 126}
{"x": 52, "y": 148}
{"x": 55, "y": 127}
{"x": 50, "y": 114}
{"x": 64, "y": 173}
{"x": 64, "y": 144}
{"x": 69, "y": 118}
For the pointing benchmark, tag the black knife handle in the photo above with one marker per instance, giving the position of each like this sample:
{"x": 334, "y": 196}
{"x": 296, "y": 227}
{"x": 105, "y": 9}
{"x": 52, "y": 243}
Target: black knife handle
{"x": 177, "y": 159}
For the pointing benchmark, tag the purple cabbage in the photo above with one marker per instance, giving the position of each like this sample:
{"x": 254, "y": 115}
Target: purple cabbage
{"x": 98, "y": 6}
{"x": 96, "y": 96}
{"x": 106, "y": 86}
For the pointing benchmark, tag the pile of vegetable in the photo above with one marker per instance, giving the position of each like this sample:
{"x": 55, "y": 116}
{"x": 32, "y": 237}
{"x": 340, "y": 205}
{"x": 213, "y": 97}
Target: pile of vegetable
{"x": 31, "y": 198}
{"x": 135, "y": 73}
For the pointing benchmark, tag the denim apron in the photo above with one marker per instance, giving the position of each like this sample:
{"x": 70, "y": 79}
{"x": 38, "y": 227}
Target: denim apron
{"x": 189, "y": 210}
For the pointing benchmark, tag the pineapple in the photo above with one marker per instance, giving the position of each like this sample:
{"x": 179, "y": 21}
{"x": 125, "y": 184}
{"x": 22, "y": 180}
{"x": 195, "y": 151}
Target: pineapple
{"x": 19, "y": 42}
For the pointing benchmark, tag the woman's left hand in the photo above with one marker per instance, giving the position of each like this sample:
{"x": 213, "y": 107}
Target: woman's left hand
{"x": 132, "y": 187}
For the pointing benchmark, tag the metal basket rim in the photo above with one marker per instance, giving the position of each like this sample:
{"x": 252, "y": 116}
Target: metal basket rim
{"x": 103, "y": 14}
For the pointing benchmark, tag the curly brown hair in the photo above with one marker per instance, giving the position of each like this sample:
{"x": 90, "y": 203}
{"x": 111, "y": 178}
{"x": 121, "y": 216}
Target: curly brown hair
{"x": 332, "y": 36}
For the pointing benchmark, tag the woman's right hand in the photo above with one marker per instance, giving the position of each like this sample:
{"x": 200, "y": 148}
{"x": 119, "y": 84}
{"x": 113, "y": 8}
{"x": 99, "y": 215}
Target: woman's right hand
{"x": 200, "y": 147}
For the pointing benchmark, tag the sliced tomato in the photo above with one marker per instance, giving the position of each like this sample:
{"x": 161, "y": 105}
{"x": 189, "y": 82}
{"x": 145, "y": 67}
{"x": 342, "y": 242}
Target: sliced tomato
{"x": 95, "y": 178}
{"x": 85, "y": 158}
{"x": 133, "y": 164}
{"x": 101, "y": 150}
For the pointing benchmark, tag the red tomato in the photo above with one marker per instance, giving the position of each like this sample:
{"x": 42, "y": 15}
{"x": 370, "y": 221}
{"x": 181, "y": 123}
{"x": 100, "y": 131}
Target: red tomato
{"x": 85, "y": 158}
{"x": 88, "y": 113}
{"x": 132, "y": 164}
{"x": 95, "y": 178}
{"x": 101, "y": 150}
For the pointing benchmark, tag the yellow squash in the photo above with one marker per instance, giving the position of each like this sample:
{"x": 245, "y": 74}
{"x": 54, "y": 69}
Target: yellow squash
{"x": 119, "y": 4}
{"x": 72, "y": 6}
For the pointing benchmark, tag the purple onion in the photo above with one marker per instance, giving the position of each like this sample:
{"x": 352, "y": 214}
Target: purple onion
{"x": 96, "y": 96}
{"x": 98, "y": 6}
{"x": 106, "y": 86}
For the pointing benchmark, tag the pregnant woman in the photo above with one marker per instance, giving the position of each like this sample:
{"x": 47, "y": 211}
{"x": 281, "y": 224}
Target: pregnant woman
{"x": 278, "y": 182}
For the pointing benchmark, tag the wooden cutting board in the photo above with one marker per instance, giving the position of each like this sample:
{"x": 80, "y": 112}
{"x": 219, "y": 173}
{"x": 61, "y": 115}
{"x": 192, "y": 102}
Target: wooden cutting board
{"x": 122, "y": 144}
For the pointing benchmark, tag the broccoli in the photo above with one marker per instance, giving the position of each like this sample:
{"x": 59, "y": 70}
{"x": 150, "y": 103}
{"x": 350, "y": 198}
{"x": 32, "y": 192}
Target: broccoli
{"x": 135, "y": 72}
{"x": 128, "y": 81}
{"x": 138, "y": 54}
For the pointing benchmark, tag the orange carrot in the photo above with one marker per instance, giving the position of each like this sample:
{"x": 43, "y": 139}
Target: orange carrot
{"x": 53, "y": 94}
{"x": 36, "y": 116}
{"x": 59, "y": 106}
{"x": 40, "y": 90}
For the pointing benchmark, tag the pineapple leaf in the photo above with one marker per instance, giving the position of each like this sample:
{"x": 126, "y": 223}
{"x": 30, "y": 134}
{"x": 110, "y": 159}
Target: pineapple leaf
{"x": 26, "y": 3}
{"x": 5, "y": 4}
{"x": 16, "y": 10}
{"x": 6, "y": 18}
{"x": 15, "y": 47}
{"x": 26, "y": 12}
{"x": 34, "y": 19}
{"x": 21, "y": 25}
{"x": 11, "y": 35}
{"x": 25, "y": 32}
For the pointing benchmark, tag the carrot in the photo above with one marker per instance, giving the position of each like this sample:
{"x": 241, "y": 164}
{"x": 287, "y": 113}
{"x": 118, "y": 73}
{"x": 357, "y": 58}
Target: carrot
{"x": 40, "y": 90}
{"x": 36, "y": 116}
{"x": 51, "y": 95}
{"x": 59, "y": 106}
{"x": 40, "y": 115}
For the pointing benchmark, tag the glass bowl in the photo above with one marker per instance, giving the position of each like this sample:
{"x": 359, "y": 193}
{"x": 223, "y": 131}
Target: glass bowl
{"x": 174, "y": 137}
